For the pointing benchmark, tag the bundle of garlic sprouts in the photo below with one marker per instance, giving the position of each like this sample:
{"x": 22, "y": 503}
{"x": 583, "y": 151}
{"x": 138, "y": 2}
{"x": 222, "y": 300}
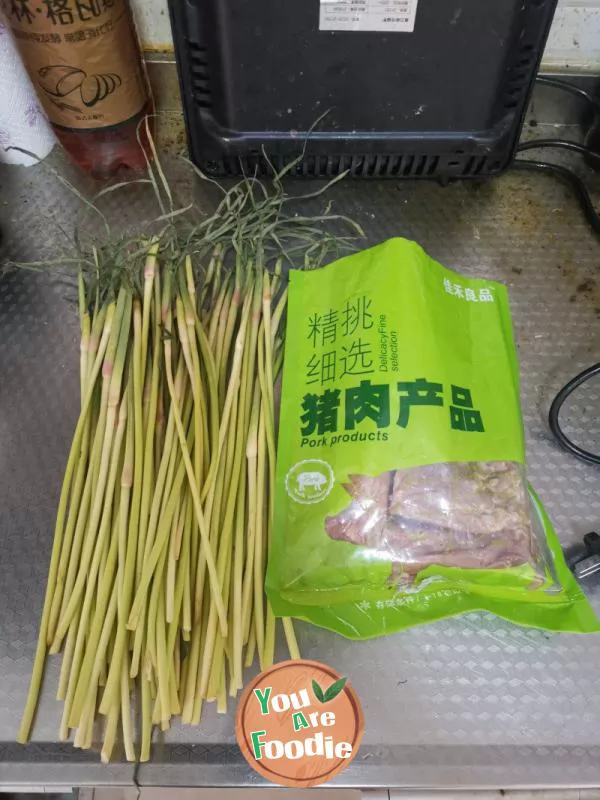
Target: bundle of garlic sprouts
{"x": 155, "y": 588}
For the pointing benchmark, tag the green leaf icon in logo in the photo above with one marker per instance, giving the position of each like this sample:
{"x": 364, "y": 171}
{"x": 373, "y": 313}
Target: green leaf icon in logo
{"x": 318, "y": 692}
{"x": 331, "y": 693}
{"x": 335, "y": 689}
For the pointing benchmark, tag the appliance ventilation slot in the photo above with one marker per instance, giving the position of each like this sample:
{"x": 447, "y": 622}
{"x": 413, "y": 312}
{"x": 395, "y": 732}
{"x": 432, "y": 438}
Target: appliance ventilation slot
{"x": 363, "y": 166}
{"x": 518, "y": 77}
{"x": 474, "y": 165}
{"x": 200, "y": 75}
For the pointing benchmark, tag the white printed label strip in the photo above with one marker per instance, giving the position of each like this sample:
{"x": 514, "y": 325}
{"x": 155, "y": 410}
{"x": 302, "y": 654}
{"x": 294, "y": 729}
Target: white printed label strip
{"x": 393, "y": 16}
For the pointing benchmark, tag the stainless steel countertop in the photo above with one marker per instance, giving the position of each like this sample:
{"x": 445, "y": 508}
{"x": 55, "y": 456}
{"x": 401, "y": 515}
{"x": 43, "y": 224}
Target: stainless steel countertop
{"x": 470, "y": 702}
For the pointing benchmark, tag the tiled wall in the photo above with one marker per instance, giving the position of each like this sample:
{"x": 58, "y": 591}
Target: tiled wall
{"x": 575, "y": 37}
{"x": 574, "y": 41}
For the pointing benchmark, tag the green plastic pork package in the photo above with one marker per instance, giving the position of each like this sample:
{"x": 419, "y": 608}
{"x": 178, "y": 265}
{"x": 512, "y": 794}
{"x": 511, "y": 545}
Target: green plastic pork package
{"x": 401, "y": 495}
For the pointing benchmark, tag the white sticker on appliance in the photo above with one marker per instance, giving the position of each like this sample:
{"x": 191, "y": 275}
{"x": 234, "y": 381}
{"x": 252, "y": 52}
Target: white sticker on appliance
{"x": 392, "y": 16}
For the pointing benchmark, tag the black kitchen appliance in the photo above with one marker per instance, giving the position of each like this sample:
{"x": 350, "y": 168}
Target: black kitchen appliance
{"x": 382, "y": 88}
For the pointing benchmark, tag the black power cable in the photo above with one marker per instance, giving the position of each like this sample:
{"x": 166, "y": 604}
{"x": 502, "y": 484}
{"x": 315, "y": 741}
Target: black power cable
{"x": 557, "y": 404}
{"x": 564, "y": 144}
{"x": 593, "y": 218}
{"x": 569, "y": 177}
{"x": 558, "y": 171}
{"x": 565, "y": 86}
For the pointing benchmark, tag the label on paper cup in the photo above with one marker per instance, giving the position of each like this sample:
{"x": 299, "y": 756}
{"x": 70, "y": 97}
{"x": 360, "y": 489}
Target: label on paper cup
{"x": 392, "y": 16}
{"x": 299, "y": 723}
